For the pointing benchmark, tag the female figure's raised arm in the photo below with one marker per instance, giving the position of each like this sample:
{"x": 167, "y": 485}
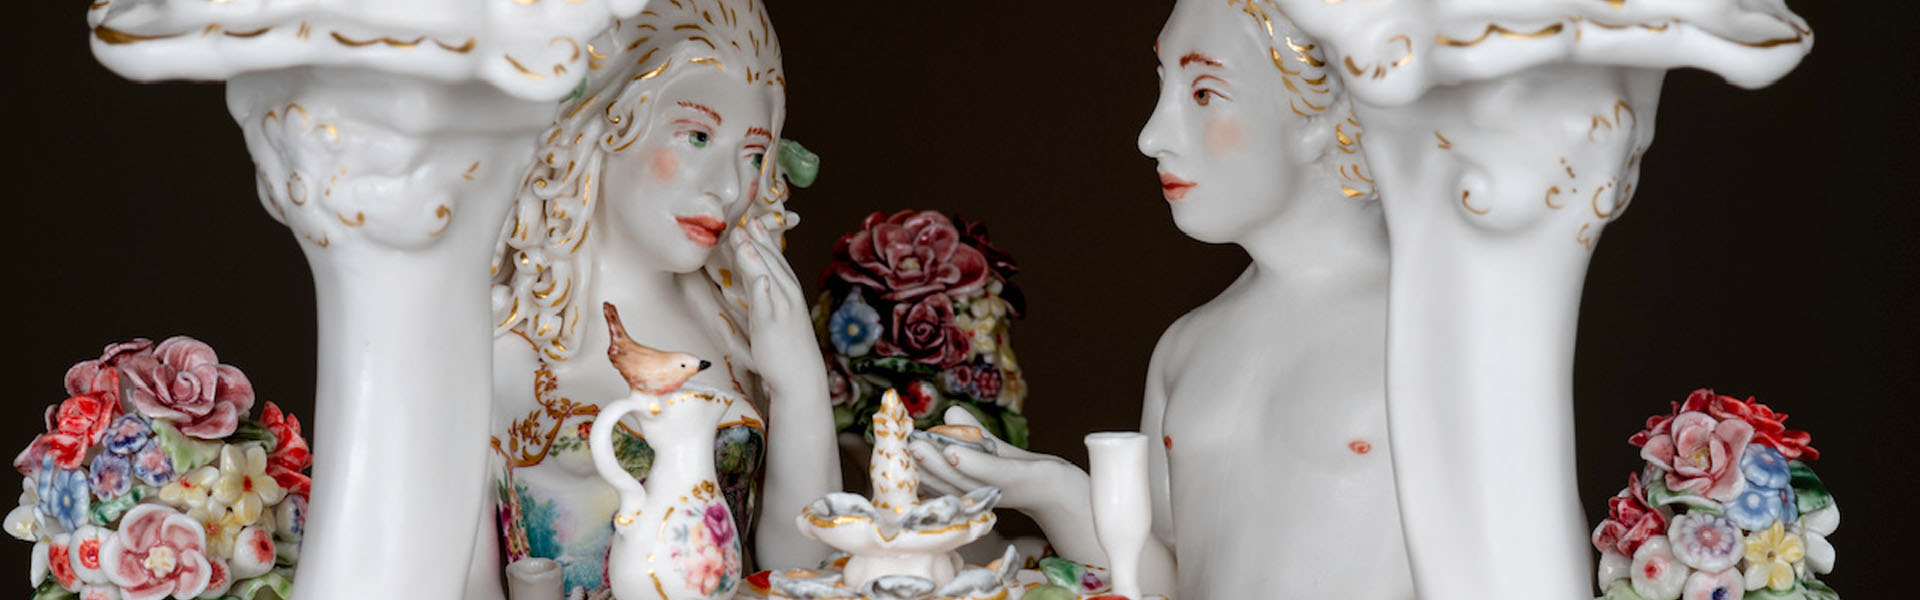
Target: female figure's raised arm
{"x": 803, "y": 461}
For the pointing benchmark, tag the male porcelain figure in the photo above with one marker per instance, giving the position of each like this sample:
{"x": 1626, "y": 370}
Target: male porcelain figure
{"x": 1266, "y": 405}
{"x": 656, "y": 190}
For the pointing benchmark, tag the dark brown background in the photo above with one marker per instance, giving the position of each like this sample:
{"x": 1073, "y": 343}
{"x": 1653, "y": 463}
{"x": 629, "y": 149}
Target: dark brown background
{"x": 1769, "y": 252}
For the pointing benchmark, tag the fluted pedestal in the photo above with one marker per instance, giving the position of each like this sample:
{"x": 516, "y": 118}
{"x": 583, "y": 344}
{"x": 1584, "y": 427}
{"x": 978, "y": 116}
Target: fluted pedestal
{"x": 389, "y": 137}
{"x": 1503, "y": 138}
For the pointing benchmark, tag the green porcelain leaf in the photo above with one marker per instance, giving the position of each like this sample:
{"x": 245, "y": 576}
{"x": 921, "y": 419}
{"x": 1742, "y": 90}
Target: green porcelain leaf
{"x": 1621, "y": 590}
{"x": 51, "y": 590}
{"x": 842, "y": 418}
{"x": 1765, "y": 593}
{"x": 1815, "y": 590}
{"x": 1062, "y": 572}
{"x": 278, "y": 584}
{"x": 1016, "y": 426}
{"x": 187, "y": 453}
{"x": 893, "y": 364}
{"x": 105, "y": 513}
{"x": 250, "y": 430}
{"x": 1050, "y": 592}
{"x": 1808, "y": 491}
{"x": 1659, "y": 495}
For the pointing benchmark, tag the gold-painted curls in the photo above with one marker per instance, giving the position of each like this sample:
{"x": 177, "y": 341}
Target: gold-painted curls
{"x": 1470, "y": 207}
{"x": 522, "y": 68}
{"x": 116, "y": 37}
{"x": 353, "y": 43}
{"x": 1493, "y": 28}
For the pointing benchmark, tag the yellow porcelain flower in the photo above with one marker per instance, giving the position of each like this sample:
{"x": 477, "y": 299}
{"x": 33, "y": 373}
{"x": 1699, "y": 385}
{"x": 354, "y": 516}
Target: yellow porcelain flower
{"x": 191, "y": 492}
{"x": 244, "y": 488}
{"x": 1771, "y": 555}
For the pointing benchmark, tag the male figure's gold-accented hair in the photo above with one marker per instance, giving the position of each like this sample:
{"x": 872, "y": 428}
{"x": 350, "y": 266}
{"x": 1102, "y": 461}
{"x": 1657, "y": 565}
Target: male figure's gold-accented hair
{"x": 1316, "y": 92}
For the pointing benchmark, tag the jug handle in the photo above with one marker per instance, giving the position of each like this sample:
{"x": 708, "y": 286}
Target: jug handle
{"x": 633, "y": 496}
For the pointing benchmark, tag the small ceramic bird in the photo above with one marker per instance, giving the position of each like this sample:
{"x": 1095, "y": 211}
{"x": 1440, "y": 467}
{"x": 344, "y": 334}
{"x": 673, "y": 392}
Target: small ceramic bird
{"x": 647, "y": 371}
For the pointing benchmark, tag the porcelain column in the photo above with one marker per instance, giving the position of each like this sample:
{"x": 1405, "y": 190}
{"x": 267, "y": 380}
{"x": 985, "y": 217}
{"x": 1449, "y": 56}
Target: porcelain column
{"x": 396, "y": 187}
{"x": 389, "y": 136}
{"x": 1504, "y": 137}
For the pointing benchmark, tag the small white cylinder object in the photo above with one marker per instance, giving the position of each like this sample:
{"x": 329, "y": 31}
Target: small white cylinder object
{"x": 534, "y": 579}
{"x": 1122, "y": 511}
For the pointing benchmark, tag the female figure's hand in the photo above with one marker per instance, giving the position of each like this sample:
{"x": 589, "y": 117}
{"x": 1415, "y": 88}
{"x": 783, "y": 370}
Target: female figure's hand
{"x": 803, "y": 461}
{"x": 780, "y": 331}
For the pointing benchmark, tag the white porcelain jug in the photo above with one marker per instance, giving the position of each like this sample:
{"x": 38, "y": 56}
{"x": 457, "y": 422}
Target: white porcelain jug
{"x": 673, "y": 538}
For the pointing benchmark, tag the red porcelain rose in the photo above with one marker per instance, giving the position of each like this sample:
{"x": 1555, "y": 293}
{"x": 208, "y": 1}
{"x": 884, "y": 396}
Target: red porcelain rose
{"x": 1701, "y": 455}
{"x": 183, "y": 381}
{"x": 910, "y": 255}
{"x": 72, "y": 427}
{"x": 924, "y": 332}
{"x": 291, "y": 454}
{"x": 1630, "y": 522}
{"x": 1768, "y": 427}
{"x": 85, "y": 416}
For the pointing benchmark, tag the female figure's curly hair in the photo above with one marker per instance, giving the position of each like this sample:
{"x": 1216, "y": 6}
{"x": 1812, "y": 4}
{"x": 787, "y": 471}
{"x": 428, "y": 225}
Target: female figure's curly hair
{"x": 543, "y": 260}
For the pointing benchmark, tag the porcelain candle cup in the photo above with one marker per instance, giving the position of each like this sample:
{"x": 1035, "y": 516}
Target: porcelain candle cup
{"x": 1121, "y": 510}
{"x": 533, "y": 579}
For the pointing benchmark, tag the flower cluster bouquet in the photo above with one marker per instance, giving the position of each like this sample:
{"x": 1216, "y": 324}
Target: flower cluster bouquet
{"x": 920, "y": 302}
{"x": 152, "y": 481}
{"x": 1726, "y": 508}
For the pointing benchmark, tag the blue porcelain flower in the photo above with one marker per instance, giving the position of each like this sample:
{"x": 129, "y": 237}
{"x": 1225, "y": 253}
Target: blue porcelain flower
{"x": 854, "y": 327}
{"x": 69, "y": 498}
{"x": 153, "y": 466}
{"x": 112, "y": 475}
{"x": 129, "y": 434}
{"x": 1756, "y": 509}
{"x": 43, "y": 479}
{"x": 1764, "y": 467}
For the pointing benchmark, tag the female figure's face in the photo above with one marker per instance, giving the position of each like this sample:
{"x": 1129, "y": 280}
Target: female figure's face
{"x": 1230, "y": 149}
{"x": 671, "y": 196}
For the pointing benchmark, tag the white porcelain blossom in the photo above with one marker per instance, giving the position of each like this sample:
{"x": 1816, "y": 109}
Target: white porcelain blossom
{"x": 1657, "y": 574}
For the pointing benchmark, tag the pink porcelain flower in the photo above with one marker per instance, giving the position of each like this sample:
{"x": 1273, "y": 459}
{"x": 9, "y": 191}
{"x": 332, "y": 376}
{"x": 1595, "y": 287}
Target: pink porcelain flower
{"x": 182, "y": 380}
{"x": 909, "y": 255}
{"x": 158, "y": 552}
{"x": 99, "y": 375}
{"x": 75, "y": 425}
{"x": 1701, "y": 455}
{"x": 1630, "y": 522}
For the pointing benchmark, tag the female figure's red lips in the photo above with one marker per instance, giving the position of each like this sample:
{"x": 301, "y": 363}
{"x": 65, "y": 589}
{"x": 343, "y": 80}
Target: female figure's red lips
{"x": 702, "y": 229}
{"x": 1174, "y": 188}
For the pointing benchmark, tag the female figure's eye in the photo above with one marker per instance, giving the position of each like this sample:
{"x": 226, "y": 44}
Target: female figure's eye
{"x": 699, "y": 139}
{"x": 1203, "y": 96}
{"x": 756, "y": 161}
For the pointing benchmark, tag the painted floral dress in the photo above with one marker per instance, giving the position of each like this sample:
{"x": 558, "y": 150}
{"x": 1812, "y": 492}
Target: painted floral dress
{"x": 537, "y": 523}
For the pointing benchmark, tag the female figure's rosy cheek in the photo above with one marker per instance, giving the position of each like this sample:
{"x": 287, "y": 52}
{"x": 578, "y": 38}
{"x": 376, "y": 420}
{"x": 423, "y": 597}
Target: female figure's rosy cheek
{"x": 665, "y": 163}
{"x": 1222, "y": 136}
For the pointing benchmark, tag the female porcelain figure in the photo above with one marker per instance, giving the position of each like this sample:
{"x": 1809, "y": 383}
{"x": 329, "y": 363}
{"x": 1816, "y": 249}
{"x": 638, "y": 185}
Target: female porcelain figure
{"x": 656, "y": 190}
{"x": 1271, "y": 476}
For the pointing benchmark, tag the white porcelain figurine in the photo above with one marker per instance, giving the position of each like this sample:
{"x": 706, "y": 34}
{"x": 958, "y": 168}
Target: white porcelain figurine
{"x": 676, "y": 541}
{"x": 1266, "y": 406}
{"x": 1504, "y": 137}
{"x": 388, "y": 137}
{"x": 655, "y": 188}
